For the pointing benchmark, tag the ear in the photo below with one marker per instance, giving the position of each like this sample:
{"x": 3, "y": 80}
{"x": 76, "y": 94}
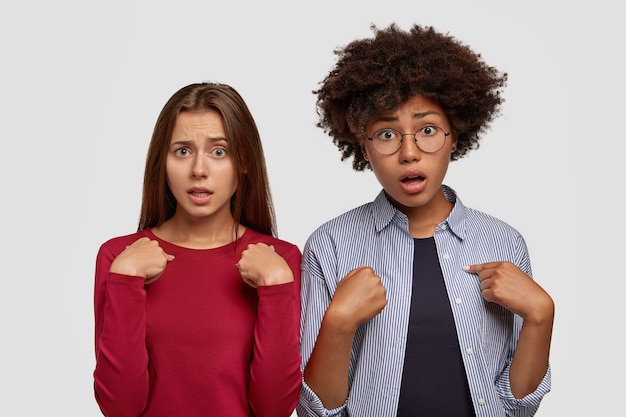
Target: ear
{"x": 455, "y": 142}
{"x": 364, "y": 152}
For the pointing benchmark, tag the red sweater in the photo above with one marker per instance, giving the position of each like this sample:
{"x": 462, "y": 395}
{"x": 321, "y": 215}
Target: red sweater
{"x": 198, "y": 341}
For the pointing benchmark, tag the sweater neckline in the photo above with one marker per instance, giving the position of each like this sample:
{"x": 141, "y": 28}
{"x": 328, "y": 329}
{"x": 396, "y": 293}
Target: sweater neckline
{"x": 171, "y": 247}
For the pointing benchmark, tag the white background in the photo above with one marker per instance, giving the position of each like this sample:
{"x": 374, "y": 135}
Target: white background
{"x": 83, "y": 82}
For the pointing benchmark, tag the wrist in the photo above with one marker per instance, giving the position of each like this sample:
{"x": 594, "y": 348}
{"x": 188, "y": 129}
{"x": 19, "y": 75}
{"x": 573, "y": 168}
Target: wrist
{"x": 276, "y": 278}
{"x": 338, "y": 322}
{"x": 542, "y": 315}
{"x": 123, "y": 268}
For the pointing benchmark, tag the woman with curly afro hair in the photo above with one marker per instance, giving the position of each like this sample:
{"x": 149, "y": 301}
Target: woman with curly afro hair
{"x": 414, "y": 304}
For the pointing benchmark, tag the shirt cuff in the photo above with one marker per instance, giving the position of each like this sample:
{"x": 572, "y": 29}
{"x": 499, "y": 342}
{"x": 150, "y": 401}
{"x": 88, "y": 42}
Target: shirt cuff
{"x": 531, "y": 400}
{"x": 310, "y": 402}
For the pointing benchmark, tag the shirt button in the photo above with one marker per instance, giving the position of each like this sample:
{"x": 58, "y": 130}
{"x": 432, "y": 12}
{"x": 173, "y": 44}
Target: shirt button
{"x": 444, "y": 227}
{"x": 481, "y": 401}
{"x": 446, "y": 256}
{"x": 469, "y": 351}
{"x": 458, "y": 300}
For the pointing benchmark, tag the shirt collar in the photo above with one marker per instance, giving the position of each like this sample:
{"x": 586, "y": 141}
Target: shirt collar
{"x": 456, "y": 218}
{"x": 384, "y": 212}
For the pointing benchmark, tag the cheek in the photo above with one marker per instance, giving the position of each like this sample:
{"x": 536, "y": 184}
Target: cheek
{"x": 231, "y": 176}
{"x": 174, "y": 173}
{"x": 443, "y": 164}
{"x": 225, "y": 173}
{"x": 381, "y": 171}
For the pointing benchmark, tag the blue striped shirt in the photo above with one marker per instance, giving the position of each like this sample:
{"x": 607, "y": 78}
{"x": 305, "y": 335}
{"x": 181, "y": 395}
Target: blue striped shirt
{"x": 376, "y": 234}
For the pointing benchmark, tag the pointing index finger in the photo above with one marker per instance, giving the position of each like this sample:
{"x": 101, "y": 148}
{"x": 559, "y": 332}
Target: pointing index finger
{"x": 477, "y": 268}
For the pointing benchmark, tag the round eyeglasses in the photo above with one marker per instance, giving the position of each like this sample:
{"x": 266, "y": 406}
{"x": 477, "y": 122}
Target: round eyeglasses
{"x": 428, "y": 139}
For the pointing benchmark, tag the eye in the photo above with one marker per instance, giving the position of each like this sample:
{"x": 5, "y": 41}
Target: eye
{"x": 182, "y": 152}
{"x": 218, "y": 152}
{"x": 428, "y": 131}
{"x": 385, "y": 135}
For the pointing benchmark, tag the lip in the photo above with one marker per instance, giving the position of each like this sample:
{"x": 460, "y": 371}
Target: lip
{"x": 413, "y": 181}
{"x": 413, "y": 173}
{"x": 200, "y": 195}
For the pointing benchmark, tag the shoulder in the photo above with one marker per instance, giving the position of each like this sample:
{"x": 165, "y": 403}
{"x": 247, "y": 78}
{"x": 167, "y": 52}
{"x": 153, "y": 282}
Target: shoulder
{"x": 347, "y": 221}
{"x": 282, "y": 246}
{"x": 489, "y": 234}
{"x": 486, "y": 223}
{"x": 344, "y": 230}
{"x": 117, "y": 244}
{"x": 491, "y": 238}
{"x": 468, "y": 220}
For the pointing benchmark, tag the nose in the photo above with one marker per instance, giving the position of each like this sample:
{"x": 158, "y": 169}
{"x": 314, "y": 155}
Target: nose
{"x": 408, "y": 149}
{"x": 199, "y": 168}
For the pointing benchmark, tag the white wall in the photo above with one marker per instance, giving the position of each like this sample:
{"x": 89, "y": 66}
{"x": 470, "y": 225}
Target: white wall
{"x": 82, "y": 85}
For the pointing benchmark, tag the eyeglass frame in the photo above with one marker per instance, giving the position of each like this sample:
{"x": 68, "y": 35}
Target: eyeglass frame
{"x": 402, "y": 135}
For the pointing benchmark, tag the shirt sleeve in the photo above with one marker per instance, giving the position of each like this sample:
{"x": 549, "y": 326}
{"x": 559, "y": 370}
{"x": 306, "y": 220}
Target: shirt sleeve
{"x": 315, "y": 298}
{"x": 528, "y": 405}
{"x": 311, "y": 406}
{"x": 121, "y": 374}
{"x": 275, "y": 374}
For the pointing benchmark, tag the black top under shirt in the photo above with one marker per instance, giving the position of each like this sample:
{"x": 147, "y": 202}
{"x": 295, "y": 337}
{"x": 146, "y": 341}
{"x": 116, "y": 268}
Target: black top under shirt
{"x": 433, "y": 378}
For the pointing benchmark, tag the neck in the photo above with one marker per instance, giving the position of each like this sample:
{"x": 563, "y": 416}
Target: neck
{"x": 423, "y": 220}
{"x": 199, "y": 234}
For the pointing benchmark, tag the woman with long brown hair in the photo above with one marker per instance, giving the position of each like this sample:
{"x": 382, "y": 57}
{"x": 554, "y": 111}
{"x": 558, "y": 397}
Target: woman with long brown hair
{"x": 197, "y": 313}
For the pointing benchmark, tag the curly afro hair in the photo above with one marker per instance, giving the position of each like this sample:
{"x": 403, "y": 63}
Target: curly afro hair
{"x": 378, "y": 74}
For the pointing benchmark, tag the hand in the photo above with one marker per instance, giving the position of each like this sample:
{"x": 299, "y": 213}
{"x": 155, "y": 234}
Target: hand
{"x": 143, "y": 258}
{"x": 359, "y": 296}
{"x": 506, "y": 284}
{"x": 261, "y": 265}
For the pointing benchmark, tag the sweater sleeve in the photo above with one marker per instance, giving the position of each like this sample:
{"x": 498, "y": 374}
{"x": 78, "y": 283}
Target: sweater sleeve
{"x": 121, "y": 373}
{"x": 275, "y": 374}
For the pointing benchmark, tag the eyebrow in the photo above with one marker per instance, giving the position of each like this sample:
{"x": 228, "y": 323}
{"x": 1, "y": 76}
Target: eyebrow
{"x": 389, "y": 118}
{"x": 211, "y": 139}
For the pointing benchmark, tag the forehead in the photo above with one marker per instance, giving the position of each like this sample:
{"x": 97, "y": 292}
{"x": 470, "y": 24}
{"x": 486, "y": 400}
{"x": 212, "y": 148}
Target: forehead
{"x": 415, "y": 108}
{"x": 206, "y": 123}
{"x": 416, "y": 104}
{"x": 199, "y": 118}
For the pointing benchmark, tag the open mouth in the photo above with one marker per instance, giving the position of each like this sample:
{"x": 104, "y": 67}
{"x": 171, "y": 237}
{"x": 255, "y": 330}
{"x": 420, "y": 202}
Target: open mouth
{"x": 200, "y": 194}
{"x": 413, "y": 179}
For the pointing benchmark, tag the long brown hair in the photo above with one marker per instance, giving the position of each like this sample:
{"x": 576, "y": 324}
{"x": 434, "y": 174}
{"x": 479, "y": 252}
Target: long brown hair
{"x": 251, "y": 205}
